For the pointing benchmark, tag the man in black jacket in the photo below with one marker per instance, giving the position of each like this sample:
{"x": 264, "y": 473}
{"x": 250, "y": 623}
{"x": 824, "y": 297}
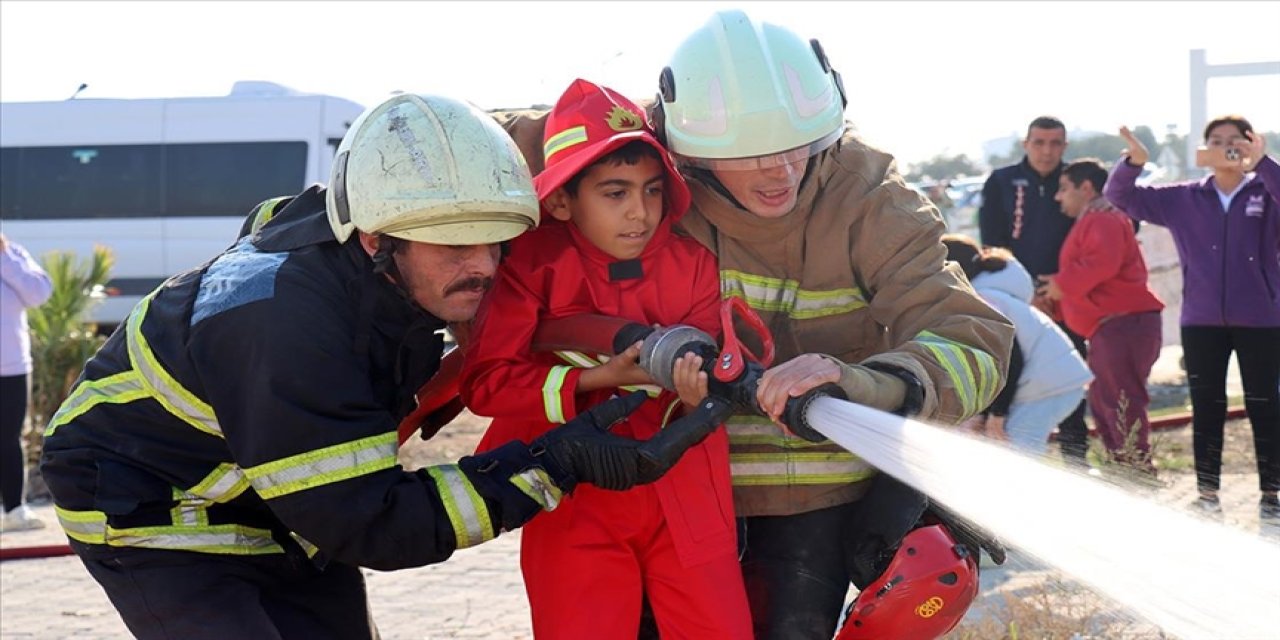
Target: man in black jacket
{"x": 1019, "y": 213}
{"x": 227, "y": 461}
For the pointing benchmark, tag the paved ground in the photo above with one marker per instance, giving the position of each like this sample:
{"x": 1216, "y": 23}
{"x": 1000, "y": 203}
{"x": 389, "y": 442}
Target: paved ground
{"x": 477, "y": 594}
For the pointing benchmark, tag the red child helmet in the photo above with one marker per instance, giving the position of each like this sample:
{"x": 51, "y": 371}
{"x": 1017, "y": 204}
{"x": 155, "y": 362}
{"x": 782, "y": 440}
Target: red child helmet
{"x": 922, "y": 595}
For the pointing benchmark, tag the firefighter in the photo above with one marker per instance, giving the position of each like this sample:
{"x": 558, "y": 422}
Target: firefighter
{"x": 815, "y": 229}
{"x": 227, "y": 461}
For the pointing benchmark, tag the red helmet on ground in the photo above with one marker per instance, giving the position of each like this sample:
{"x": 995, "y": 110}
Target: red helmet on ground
{"x": 922, "y": 595}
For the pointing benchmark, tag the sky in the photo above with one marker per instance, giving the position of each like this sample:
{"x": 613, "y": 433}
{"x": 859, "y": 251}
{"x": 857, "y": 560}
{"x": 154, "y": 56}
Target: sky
{"x": 923, "y": 77}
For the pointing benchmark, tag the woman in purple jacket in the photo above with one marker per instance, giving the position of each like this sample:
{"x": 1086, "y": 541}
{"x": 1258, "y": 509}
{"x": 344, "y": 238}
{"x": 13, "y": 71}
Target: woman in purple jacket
{"x": 1227, "y": 231}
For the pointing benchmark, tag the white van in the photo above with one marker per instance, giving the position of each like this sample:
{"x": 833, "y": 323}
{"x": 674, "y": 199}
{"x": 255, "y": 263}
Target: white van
{"x": 165, "y": 183}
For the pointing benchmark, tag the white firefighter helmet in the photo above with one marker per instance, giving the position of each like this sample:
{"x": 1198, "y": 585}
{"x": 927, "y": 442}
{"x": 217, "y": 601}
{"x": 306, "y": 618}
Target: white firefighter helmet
{"x": 430, "y": 169}
{"x": 741, "y": 94}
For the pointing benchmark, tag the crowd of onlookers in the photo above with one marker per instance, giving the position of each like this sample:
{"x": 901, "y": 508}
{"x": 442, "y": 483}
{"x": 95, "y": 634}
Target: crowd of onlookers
{"x": 1060, "y": 258}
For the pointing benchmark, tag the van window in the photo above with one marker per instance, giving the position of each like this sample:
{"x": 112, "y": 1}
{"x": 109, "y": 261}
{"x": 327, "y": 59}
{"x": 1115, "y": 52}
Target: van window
{"x": 134, "y": 181}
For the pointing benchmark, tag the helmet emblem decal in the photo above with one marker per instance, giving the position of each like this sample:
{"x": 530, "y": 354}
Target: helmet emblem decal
{"x": 715, "y": 124}
{"x": 929, "y": 607}
{"x": 806, "y": 106}
{"x": 620, "y": 119}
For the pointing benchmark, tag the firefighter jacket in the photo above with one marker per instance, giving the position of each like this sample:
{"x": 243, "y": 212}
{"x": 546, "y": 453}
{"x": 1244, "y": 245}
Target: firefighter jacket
{"x": 554, "y": 272}
{"x": 856, "y": 271}
{"x": 250, "y": 406}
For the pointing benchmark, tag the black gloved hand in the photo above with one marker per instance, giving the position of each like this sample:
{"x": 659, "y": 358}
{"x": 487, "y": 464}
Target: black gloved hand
{"x": 583, "y": 450}
{"x": 518, "y": 481}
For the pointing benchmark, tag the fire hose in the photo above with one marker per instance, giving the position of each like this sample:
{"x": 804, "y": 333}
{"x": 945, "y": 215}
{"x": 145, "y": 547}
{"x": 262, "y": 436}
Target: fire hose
{"x": 733, "y": 370}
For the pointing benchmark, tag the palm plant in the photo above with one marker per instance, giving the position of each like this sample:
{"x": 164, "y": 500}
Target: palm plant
{"x": 61, "y": 337}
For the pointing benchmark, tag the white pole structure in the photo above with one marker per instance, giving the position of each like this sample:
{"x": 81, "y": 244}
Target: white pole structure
{"x": 1201, "y": 72}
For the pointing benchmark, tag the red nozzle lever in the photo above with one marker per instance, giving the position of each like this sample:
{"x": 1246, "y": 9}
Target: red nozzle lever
{"x": 731, "y": 363}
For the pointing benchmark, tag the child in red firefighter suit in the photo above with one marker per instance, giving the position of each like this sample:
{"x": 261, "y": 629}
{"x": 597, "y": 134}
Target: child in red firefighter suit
{"x": 606, "y": 247}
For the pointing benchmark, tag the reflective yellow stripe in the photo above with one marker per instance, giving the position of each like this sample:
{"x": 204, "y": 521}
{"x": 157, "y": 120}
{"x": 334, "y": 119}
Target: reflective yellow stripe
{"x": 797, "y": 468}
{"x": 119, "y": 388}
{"x": 582, "y": 360}
{"x": 265, "y": 212}
{"x": 578, "y": 359}
{"x": 756, "y": 431}
{"x": 975, "y": 391}
{"x": 310, "y": 549}
{"x": 536, "y": 484}
{"x": 91, "y": 527}
{"x": 191, "y": 511}
{"x": 223, "y": 484}
{"x": 466, "y": 509}
{"x": 563, "y": 140}
{"x": 785, "y": 296}
{"x": 323, "y": 466}
{"x": 183, "y": 404}
{"x": 551, "y": 388}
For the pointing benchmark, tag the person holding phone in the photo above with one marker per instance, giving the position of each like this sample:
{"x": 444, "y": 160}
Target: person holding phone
{"x": 1226, "y": 228}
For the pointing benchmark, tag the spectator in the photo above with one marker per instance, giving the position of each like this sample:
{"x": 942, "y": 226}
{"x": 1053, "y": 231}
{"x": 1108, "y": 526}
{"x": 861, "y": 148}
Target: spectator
{"x": 612, "y": 196}
{"x": 1227, "y": 231}
{"x": 1020, "y": 213}
{"x": 1046, "y": 376}
{"x": 1101, "y": 286}
{"x": 23, "y": 284}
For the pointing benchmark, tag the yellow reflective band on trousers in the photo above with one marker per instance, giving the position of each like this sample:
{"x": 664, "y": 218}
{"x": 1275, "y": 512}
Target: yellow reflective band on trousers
{"x": 785, "y": 296}
{"x": 466, "y": 509}
{"x": 551, "y": 388}
{"x": 183, "y": 404}
{"x": 972, "y": 371}
{"x": 120, "y": 388}
{"x": 90, "y": 527}
{"x": 323, "y": 466}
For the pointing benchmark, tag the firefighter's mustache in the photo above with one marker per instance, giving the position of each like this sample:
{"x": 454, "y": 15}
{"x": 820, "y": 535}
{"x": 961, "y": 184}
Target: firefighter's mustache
{"x": 477, "y": 283}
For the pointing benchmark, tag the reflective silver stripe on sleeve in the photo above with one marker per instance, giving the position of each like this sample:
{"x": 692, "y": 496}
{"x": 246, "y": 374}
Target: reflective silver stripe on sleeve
{"x": 324, "y": 466}
{"x": 466, "y": 510}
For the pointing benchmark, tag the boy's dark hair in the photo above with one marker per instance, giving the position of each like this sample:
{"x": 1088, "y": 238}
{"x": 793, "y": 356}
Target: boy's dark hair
{"x": 1237, "y": 121}
{"x": 973, "y": 260}
{"x": 1087, "y": 169}
{"x": 627, "y": 154}
{"x": 1045, "y": 122}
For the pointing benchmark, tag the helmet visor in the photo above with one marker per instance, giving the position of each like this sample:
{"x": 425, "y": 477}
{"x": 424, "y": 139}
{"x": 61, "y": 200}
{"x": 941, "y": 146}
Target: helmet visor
{"x": 769, "y": 161}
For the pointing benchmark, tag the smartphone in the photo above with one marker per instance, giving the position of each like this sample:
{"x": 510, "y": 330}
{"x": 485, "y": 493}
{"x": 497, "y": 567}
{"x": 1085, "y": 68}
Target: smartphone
{"x": 1218, "y": 157}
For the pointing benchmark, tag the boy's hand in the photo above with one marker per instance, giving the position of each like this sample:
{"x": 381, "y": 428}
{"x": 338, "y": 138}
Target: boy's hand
{"x": 690, "y": 380}
{"x": 1049, "y": 288}
{"x": 621, "y": 370}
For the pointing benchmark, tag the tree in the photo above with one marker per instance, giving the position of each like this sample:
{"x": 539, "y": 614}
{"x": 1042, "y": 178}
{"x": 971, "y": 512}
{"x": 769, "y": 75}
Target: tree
{"x": 942, "y": 167}
{"x": 61, "y": 338}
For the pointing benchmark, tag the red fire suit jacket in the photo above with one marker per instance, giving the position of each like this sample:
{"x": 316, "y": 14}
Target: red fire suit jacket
{"x": 554, "y": 272}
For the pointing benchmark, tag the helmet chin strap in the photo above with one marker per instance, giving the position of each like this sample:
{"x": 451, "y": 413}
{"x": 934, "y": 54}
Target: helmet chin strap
{"x": 385, "y": 263}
